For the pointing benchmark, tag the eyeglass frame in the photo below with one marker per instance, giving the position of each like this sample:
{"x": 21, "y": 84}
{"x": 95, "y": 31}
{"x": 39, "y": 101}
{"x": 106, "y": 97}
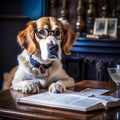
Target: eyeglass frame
{"x": 49, "y": 31}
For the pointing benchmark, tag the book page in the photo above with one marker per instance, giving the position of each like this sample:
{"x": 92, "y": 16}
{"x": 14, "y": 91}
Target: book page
{"x": 91, "y": 92}
{"x": 105, "y": 99}
{"x": 45, "y": 96}
{"x": 82, "y": 104}
{"x": 75, "y": 101}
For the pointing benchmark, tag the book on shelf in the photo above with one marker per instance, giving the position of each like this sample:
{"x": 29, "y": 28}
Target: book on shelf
{"x": 93, "y": 36}
{"x": 86, "y": 100}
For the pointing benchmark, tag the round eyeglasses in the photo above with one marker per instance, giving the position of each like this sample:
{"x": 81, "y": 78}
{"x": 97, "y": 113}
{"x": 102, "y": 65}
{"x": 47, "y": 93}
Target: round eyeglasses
{"x": 44, "y": 32}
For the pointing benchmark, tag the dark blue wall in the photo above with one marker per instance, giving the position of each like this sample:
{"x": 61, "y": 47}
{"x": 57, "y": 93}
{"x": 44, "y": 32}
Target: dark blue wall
{"x": 34, "y": 8}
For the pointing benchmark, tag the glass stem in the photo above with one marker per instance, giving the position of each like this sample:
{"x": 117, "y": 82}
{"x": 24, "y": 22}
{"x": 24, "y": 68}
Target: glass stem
{"x": 118, "y": 89}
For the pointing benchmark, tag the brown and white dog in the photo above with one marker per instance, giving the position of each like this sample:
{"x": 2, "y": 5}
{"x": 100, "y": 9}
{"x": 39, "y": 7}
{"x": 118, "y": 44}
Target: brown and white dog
{"x": 39, "y": 64}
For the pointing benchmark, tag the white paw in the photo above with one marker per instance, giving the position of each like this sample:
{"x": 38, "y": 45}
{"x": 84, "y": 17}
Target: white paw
{"x": 27, "y": 87}
{"x": 57, "y": 87}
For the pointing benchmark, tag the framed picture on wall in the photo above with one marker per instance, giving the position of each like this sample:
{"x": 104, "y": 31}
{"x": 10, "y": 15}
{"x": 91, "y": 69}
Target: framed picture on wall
{"x": 100, "y": 26}
{"x": 112, "y": 27}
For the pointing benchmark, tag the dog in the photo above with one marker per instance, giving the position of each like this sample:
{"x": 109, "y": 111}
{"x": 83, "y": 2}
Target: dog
{"x": 39, "y": 64}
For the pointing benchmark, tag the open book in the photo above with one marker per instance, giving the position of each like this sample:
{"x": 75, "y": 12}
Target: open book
{"x": 85, "y": 100}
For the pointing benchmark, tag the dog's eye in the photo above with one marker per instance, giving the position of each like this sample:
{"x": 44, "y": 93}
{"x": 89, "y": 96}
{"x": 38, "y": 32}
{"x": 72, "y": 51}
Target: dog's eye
{"x": 43, "y": 33}
{"x": 57, "y": 32}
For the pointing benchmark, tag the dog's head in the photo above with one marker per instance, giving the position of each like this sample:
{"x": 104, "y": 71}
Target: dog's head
{"x": 49, "y": 35}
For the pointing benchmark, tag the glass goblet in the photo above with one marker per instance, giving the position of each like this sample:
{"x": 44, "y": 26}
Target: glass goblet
{"x": 115, "y": 76}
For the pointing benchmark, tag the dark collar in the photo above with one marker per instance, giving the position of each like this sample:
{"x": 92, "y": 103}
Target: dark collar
{"x": 36, "y": 64}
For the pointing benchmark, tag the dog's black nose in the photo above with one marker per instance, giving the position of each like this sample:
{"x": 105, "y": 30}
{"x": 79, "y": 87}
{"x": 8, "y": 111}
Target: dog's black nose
{"x": 53, "y": 51}
{"x": 53, "y": 48}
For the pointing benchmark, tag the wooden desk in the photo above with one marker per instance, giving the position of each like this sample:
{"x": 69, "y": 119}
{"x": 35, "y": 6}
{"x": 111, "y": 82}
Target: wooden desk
{"x": 10, "y": 109}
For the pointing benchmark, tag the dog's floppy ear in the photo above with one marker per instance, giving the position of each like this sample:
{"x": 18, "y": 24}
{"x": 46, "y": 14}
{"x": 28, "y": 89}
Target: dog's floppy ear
{"x": 26, "y": 38}
{"x": 70, "y": 37}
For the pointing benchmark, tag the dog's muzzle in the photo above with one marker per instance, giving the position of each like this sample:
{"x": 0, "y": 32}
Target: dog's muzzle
{"x": 53, "y": 51}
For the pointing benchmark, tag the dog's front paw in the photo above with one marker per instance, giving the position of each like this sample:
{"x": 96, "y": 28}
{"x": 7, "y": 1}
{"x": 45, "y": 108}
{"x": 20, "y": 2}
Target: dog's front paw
{"x": 30, "y": 87}
{"x": 57, "y": 87}
{"x": 27, "y": 87}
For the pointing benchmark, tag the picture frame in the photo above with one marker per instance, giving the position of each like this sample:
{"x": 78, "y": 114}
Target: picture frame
{"x": 112, "y": 27}
{"x": 100, "y": 26}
